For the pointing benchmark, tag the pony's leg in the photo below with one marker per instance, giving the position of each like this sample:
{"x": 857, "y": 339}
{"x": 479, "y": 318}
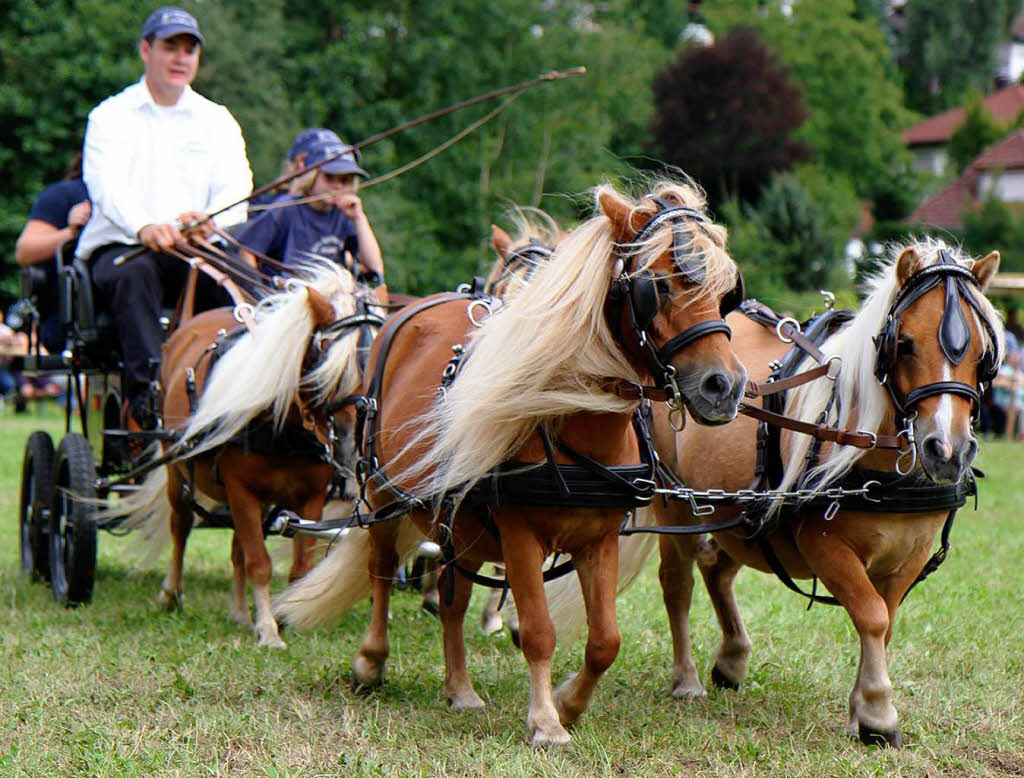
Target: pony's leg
{"x": 676, "y": 576}
{"x": 733, "y": 656}
{"x": 491, "y": 620}
{"x": 597, "y": 569}
{"x": 239, "y": 604}
{"x": 428, "y": 584}
{"x": 368, "y": 663}
{"x": 841, "y": 570}
{"x": 302, "y": 556}
{"x": 457, "y": 686}
{"x": 247, "y": 516}
{"x": 523, "y": 559}
{"x": 172, "y": 592}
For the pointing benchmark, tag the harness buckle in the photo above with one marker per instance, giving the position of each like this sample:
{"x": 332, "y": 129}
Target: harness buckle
{"x": 782, "y": 322}
{"x": 837, "y": 360}
{"x": 874, "y": 438}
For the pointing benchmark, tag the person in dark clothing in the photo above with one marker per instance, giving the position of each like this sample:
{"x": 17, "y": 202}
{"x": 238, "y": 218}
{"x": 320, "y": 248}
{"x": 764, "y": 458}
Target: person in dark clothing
{"x": 57, "y": 216}
{"x": 333, "y": 227}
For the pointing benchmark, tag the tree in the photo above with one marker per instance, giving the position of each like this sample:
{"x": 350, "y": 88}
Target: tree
{"x": 840, "y": 59}
{"x": 949, "y": 48}
{"x": 725, "y": 113}
{"x": 996, "y": 225}
{"x": 977, "y": 132}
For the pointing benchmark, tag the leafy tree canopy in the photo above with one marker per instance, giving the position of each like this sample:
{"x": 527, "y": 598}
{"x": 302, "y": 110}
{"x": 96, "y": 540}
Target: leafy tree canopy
{"x": 977, "y": 132}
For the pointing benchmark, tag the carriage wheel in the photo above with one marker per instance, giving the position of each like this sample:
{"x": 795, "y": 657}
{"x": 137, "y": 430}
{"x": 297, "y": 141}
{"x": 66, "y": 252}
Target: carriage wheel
{"x": 33, "y": 516}
{"x": 72, "y": 525}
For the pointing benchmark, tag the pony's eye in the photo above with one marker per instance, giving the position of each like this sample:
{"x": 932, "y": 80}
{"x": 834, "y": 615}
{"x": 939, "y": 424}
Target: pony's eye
{"x": 663, "y": 287}
{"x": 904, "y": 347}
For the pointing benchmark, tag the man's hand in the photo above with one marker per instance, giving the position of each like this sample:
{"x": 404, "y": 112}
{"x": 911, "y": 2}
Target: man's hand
{"x": 350, "y": 205}
{"x": 204, "y": 225}
{"x": 160, "y": 237}
{"x": 79, "y": 215}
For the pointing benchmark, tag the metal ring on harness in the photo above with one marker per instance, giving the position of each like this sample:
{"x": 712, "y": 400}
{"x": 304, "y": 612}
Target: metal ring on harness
{"x": 786, "y": 320}
{"x": 469, "y": 311}
{"x": 867, "y": 487}
{"x": 463, "y": 289}
{"x": 837, "y": 360}
{"x": 241, "y": 310}
{"x": 293, "y": 285}
{"x": 908, "y": 435}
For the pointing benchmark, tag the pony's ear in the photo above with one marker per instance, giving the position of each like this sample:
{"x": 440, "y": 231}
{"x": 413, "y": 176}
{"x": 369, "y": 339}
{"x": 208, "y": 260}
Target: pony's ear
{"x": 626, "y": 223}
{"x": 985, "y": 269}
{"x": 908, "y": 264}
{"x": 501, "y": 241}
{"x": 323, "y": 311}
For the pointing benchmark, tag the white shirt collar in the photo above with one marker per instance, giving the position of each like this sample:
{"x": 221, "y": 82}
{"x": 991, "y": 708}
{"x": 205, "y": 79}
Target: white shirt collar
{"x": 144, "y": 97}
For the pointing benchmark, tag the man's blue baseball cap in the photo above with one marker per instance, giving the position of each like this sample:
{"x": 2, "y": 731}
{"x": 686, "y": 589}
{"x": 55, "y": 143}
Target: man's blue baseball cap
{"x": 347, "y": 160}
{"x": 169, "y": 21}
{"x": 309, "y": 138}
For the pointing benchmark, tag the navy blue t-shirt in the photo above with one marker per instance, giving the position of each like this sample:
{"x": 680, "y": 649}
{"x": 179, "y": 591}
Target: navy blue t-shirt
{"x": 52, "y": 207}
{"x": 291, "y": 234}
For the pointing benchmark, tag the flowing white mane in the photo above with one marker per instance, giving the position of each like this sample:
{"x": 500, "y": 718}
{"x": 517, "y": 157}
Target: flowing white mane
{"x": 865, "y": 405}
{"x": 549, "y": 351}
{"x": 263, "y": 372}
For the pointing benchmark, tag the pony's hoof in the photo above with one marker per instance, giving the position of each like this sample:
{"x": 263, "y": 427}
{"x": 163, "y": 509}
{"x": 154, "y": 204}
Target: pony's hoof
{"x": 241, "y": 617}
{"x": 722, "y": 681}
{"x": 365, "y": 676}
{"x": 689, "y": 692}
{"x": 170, "y": 601}
{"x": 272, "y": 641}
{"x": 549, "y": 736}
{"x": 431, "y": 608}
{"x": 873, "y": 737}
{"x": 489, "y": 625}
{"x": 466, "y": 702}
{"x": 513, "y": 632}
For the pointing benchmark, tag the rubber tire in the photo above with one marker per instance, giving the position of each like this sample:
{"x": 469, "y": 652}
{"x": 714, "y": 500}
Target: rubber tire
{"x": 72, "y": 523}
{"x": 36, "y": 489}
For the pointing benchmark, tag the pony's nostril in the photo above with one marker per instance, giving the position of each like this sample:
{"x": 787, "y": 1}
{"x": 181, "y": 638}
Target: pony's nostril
{"x": 715, "y": 385}
{"x": 970, "y": 451}
{"x": 937, "y": 448}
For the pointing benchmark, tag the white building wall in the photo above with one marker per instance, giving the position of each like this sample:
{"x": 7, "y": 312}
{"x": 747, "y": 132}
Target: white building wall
{"x": 1008, "y": 186}
{"x": 930, "y": 159}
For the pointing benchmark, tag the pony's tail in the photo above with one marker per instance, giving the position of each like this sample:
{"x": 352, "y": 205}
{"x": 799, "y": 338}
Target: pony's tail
{"x": 339, "y": 581}
{"x": 565, "y": 598}
{"x": 147, "y": 512}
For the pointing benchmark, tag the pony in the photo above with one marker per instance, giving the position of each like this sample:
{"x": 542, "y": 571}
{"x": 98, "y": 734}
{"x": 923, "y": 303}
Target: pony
{"x": 924, "y": 337}
{"x": 555, "y": 377}
{"x": 257, "y": 416}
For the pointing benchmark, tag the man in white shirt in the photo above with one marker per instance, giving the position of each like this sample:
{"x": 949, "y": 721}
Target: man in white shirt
{"x": 158, "y": 156}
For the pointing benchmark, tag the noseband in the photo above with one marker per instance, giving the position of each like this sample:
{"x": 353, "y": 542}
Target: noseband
{"x": 954, "y": 337}
{"x": 639, "y": 293}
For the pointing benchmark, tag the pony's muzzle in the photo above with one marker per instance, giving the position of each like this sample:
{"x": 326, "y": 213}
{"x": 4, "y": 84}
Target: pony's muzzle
{"x": 946, "y": 461}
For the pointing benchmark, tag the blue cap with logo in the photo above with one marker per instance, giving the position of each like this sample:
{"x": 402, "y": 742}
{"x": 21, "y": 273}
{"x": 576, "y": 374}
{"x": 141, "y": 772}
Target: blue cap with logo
{"x": 309, "y": 138}
{"x": 347, "y": 159}
{"x": 169, "y": 21}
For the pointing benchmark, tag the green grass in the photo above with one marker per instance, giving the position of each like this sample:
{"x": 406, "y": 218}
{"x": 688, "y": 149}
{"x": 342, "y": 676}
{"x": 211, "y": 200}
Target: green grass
{"x": 117, "y": 688}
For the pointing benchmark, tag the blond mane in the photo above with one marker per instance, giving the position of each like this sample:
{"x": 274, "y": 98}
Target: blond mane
{"x": 548, "y": 353}
{"x": 865, "y": 404}
{"x": 263, "y": 370}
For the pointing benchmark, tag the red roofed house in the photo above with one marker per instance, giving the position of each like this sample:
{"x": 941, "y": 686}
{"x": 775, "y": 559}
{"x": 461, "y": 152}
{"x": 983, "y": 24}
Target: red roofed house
{"x": 998, "y": 172}
{"x": 927, "y": 140}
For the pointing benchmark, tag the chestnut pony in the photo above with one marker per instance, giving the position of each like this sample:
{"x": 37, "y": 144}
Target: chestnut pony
{"x": 256, "y": 415}
{"x": 541, "y": 368}
{"x": 868, "y": 561}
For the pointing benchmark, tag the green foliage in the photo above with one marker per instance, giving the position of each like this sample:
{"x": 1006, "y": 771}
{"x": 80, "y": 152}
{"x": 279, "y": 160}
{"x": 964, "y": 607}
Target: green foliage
{"x": 996, "y": 225}
{"x": 949, "y": 48}
{"x": 840, "y": 58}
{"x": 978, "y": 131}
{"x": 794, "y": 237}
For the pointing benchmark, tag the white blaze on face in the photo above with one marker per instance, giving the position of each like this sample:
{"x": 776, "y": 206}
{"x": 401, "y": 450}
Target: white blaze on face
{"x": 944, "y": 416}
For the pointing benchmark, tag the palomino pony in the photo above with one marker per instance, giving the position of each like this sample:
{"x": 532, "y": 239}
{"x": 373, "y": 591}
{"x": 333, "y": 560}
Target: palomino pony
{"x": 256, "y": 410}
{"x": 927, "y": 331}
{"x": 555, "y": 377}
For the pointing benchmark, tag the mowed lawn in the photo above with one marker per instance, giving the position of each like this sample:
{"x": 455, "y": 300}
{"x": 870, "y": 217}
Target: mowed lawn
{"x": 117, "y": 688}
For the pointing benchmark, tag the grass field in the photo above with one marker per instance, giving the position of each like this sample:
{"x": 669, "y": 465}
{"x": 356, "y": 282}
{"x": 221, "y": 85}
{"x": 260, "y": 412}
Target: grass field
{"x": 118, "y": 689}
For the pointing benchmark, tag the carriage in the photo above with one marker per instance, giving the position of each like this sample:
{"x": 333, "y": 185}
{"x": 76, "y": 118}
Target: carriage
{"x": 65, "y": 483}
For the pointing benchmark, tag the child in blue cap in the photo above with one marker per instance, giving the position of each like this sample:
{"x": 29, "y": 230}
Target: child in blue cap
{"x": 334, "y": 226}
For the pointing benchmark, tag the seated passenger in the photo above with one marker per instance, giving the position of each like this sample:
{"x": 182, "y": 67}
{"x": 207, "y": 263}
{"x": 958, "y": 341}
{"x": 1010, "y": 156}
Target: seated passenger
{"x": 57, "y": 216}
{"x": 158, "y": 157}
{"x": 296, "y": 161}
{"x": 334, "y": 227}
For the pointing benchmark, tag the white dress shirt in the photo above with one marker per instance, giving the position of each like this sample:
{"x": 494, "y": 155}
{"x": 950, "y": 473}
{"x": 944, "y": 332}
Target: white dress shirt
{"x": 145, "y": 164}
